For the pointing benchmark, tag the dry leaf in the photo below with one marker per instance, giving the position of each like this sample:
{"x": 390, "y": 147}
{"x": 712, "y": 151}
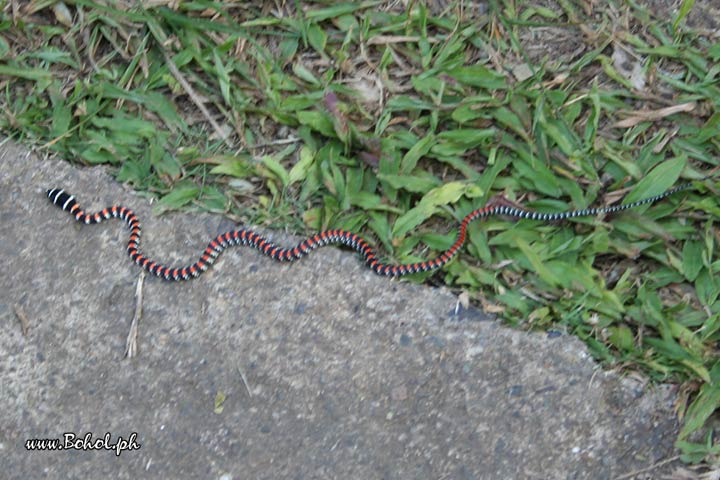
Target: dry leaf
{"x": 638, "y": 116}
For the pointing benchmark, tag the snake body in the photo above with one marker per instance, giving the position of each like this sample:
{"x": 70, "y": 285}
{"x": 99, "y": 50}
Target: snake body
{"x": 248, "y": 237}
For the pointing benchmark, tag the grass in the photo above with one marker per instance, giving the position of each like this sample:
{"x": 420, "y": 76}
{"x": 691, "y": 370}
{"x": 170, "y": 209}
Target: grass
{"x": 396, "y": 121}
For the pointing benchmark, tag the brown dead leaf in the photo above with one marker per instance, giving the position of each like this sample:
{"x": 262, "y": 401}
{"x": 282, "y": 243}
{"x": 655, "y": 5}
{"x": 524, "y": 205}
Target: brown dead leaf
{"x": 638, "y": 116}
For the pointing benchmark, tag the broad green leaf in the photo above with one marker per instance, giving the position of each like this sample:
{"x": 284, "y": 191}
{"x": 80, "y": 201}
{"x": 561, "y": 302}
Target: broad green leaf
{"x": 410, "y": 183}
{"x": 336, "y": 10}
{"x": 478, "y": 76}
{"x": 219, "y": 402}
{"x": 466, "y": 137}
{"x": 317, "y": 37}
{"x": 305, "y": 74}
{"x": 444, "y": 195}
{"x": 61, "y": 118}
{"x": 312, "y": 218}
{"x": 317, "y": 121}
{"x": 565, "y": 140}
{"x": 276, "y": 168}
{"x": 129, "y": 129}
{"x": 706, "y": 288}
{"x": 213, "y": 199}
{"x": 540, "y": 175}
{"x": 660, "y": 179}
{"x": 537, "y": 263}
{"x": 4, "y": 48}
{"x": 233, "y": 166}
{"x": 404, "y": 102}
{"x": 621, "y": 336}
{"x": 696, "y": 452}
{"x": 706, "y": 403}
{"x": 692, "y": 259}
{"x": 459, "y": 164}
{"x": 690, "y": 341}
{"x": 367, "y": 201}
{"x": 511, "y": 120}
{"x": 417, "y": 151}
{"x": 299, "y": 171}
{"x": 178, "y": 197}
{"x": 27, "y": 73}
{"x": 222, "y": 77}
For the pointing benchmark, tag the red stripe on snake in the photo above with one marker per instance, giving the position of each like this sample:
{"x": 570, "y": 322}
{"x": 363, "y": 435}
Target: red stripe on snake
{"x": 244, "y": 236}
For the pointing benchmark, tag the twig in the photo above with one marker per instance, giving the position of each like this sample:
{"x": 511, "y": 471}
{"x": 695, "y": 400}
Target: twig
{"x": 647, "y": 469}
{"x": 244, "y": 380}
{"x": 20, "y": 314}
{"x": 194, "y": 97}
{"x": 282, "y": 141}
{"x": 131, "y": 342}
{"x": 388, "y": 39}
{"x": 638, "y": 116}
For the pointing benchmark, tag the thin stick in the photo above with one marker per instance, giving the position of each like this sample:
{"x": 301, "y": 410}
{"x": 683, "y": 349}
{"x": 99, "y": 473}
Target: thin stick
{"x": 647, "y": 469}
{"x": 20, "y": 314}
{"x": 131, "y": 342}
{"x": 194, "y": 97}
{"x": 282, "y": 141}
{"x": 244, "y": 380}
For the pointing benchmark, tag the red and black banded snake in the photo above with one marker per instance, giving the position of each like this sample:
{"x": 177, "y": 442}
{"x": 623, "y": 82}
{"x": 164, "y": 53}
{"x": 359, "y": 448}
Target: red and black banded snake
{"x": 244, "y": 236}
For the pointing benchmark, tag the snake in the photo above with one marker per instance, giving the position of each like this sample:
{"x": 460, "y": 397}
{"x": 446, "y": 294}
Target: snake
{"x": 497, "y": 206}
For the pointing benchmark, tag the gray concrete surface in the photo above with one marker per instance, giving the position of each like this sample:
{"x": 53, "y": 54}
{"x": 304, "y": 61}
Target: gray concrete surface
{"x": 349, "y": 375}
